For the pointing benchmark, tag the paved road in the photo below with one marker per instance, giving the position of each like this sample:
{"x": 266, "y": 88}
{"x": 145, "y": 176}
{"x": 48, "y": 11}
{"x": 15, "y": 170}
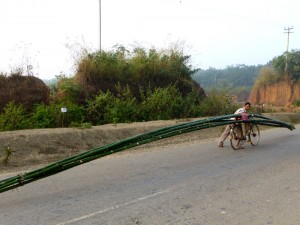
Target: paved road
{"x": 195, "y": 184}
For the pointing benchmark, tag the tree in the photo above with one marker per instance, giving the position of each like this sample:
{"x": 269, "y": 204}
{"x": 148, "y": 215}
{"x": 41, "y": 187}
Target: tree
{"x": 288, "y": 63}
{"x": 139, "y": 69}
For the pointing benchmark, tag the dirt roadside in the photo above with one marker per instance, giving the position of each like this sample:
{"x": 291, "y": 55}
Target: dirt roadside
{"x": 35, "y": 148}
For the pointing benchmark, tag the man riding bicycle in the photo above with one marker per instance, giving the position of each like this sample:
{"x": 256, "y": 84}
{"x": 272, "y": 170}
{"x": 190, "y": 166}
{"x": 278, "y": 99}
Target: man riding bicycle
{"x": 244, "y": 116}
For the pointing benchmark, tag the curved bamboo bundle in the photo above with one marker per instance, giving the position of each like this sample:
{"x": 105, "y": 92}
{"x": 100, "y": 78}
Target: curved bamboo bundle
{"x": 59, "y": 166}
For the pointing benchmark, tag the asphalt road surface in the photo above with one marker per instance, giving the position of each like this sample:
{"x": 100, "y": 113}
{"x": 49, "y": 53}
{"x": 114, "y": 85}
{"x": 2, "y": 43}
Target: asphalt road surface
{"x": 196, "y": 184}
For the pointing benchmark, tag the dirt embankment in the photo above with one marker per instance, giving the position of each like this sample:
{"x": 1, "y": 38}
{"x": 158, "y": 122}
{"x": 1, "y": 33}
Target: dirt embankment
{"x": 33, "y": 148}
{"x": 280, "y": 94}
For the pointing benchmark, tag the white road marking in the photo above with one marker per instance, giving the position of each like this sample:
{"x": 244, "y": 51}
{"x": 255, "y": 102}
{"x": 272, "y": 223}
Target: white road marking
{"x": 114, "y": 207}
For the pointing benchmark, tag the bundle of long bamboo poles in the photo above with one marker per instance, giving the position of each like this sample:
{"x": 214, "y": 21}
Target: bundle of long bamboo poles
{"x": 59, "y": 166}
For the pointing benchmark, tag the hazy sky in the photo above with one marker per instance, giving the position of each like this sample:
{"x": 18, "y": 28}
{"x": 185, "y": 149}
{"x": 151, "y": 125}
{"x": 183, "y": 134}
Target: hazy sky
{"x": 216, "y": 33}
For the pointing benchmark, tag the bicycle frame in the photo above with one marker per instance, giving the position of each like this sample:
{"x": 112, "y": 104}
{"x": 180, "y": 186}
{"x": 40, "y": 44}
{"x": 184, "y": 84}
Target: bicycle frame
{"x": 237, "y": 138}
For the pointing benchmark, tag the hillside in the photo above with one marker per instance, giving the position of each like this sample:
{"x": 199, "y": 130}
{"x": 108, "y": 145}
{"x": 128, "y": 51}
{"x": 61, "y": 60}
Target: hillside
{"x": 283, "y": 93}
{"x": 237, "y": 80}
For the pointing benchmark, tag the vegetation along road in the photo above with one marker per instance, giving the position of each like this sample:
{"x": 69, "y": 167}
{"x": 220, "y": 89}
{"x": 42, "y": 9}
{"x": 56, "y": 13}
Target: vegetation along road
{"x": 191, "y": 184}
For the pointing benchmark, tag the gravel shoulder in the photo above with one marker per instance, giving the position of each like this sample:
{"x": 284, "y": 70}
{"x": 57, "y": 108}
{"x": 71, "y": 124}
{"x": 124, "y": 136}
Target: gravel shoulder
{"x": 34, "y": 148}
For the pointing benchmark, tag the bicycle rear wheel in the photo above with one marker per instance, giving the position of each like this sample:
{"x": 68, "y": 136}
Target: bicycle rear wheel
{"x": 254, "y": 134}
{"x": 236, "y": 135}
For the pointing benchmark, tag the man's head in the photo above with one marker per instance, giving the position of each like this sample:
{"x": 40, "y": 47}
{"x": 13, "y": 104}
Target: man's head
{"x": 247, "y": 105}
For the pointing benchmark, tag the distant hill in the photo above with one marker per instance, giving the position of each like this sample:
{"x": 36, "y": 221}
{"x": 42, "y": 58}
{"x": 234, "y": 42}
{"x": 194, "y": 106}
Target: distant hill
{"x": 237, "y": 80}
{"x": 49, "y": 81}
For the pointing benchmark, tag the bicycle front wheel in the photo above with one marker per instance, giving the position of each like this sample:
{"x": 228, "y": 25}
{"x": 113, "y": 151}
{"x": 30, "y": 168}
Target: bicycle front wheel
{"x": 254, "y": 134}
{"x": 236, "y": 134}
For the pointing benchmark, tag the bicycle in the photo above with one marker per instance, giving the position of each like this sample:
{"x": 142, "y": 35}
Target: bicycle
{"x": 236, "y": 135}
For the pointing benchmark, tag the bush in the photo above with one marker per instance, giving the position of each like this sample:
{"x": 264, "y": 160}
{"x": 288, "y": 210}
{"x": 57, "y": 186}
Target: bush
{"x": 162, "y": 104}
{"x": 267, "y": 76}
{"x": 217, "y": 103}
{"x": 151, "y": 68}
{"x": 296, "y": 103}
{"x": 107, "y": 108}
{"x": 190, "y": 107}
{"x": 120, "y": 111}
{"x": 50, "y": 116}
{"x": 97, "y": 108}
{"x": 43, "y": 116}
{"x": 68, "y": 89}
{"x": 14, "y": 117}
{"x": 75, "y": 113}
{"x": 122, "y": 108}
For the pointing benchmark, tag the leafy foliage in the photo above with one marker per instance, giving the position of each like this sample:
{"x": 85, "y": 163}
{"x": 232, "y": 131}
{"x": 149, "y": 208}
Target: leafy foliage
{"x": 158, "y": 104}
{"x": 289, "y": 61}
{"x": 279, "y": 63}
{"x": 50, "y": 116}
{"x": 139, "y": 69}
{"x": 297, "y": 103}
{"x": 217, "y": 103}
{"x": 119, "y": 86}
{"x": 44, "y": 116}
{"x": 267, "y": 76}
{"x": 285, "y": 66}
{"x": 122, "y": 108}
{"x": 97, "y": 108}
{"x": 162, "y": 104}
{"x": 14, "y": 117}
{"x": 68, "y": 90}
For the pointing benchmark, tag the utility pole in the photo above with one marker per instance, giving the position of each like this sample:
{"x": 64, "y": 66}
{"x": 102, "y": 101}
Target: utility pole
{"x": 100, "y": 25}
{"x": 288, "y": 32}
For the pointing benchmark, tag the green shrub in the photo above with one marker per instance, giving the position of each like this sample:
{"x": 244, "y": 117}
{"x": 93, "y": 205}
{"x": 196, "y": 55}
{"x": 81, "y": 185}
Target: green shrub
{"x": 43, "y": 116}
{"x": 96, "y": 109}
{"x": 123, "y": 108}
{"x": 75, "y": 113}
{"x": 14, "y": 117}
{"x": 217, "y": 103}
{"x": 190, "y": 107}
{"x": 296, "y": 103}
{"x": 68, "y": 89}
{"x": 267, "y": 76}
{"x": 162, "y": 104}
{"x": 51, "y": 116}
{"x": 120, "y": 112}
